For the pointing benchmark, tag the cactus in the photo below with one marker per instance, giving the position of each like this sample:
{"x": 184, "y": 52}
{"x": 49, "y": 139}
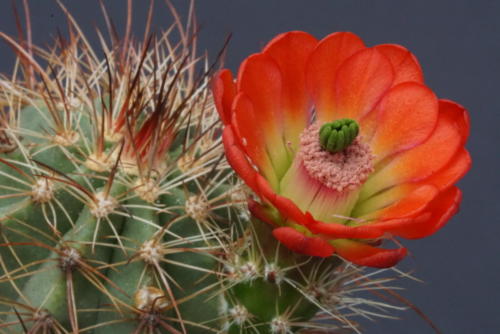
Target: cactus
{"x": 119, "y": 213}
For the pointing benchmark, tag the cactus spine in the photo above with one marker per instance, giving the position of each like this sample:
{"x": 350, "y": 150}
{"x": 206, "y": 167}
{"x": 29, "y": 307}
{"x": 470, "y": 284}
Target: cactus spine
{"x": 119, "y": 213}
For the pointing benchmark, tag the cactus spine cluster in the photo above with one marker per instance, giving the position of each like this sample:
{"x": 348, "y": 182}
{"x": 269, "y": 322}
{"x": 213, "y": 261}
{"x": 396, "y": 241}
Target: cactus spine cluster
{"x": 119, "y": 214}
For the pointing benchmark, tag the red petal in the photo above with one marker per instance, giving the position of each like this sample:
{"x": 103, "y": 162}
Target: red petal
{"x": 290, "y": 51}
{"x": 360, "y": 83}
{"x": 261, "y": 213}
{"x": 459, "y": 116}
{"x": 407, "y": 116}
{"x": 237, "y": 159}
{"x": 299, "y": 243}
{"x": 366, "y": 255}
{"x": 285, "y": 206}
{"x": 335, "y": 230}
{"x": 441, "y": 209}
{"x": 322, "y": 69}
{"x": 435, "y": 215}
{"x": 453, "y": 171}
{"x": 289, "y": 210}
{"x": 224, "y": 90}
{"x": 405, "y": 64}
{"x": 251, "y": 136}
{"x": 424, "y": 160}
{"x": 260, "y": 79}
{"x": 411, "y": 204}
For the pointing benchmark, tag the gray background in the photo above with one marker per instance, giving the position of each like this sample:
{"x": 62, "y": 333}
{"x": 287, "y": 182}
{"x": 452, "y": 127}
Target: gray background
{"x": 458, "y": 44}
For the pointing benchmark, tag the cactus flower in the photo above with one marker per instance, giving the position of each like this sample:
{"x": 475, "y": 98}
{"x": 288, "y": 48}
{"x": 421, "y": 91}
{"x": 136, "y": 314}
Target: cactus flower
{"x": 343, "y": 145}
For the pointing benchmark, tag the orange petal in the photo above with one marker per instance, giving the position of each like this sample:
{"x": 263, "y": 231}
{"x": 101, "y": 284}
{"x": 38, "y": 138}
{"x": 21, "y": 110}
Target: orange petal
{"x": 360, "y": 83}
{"x": 285, "y": 206}
{"x": 322, "y": 68}
{"x": 370, "y": 207}
{"x": 290, "y": 211}
{"x": 366, "y": 255}
{"x": 251, "y": 136}
{"x": 404, "y": 63}
{"x": 453, "y": 171}
{"x": 441, "y": 209}
{"x": 237, "y": 159}
{"x": 435, "y": 215}
{"x": 297, "y": 242}
{"x": 224, "y": 90}
{"x": 459, "y": 116}
{"x": 408, "y": 206}
{"x": 262, "y": 213}
{"x": 422, "y": 161}
{"x": 334, "y": 230}
{"x": 290, "y": 51}
{"x": 407, "y": 116}
{"x": 260, "y": 79}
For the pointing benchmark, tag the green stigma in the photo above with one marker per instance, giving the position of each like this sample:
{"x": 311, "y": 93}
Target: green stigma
{"x": 336, "y": 136}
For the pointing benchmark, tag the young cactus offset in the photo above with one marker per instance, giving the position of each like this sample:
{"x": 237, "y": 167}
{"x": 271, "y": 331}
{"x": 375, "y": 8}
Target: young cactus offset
{"x": 120, "y": 214}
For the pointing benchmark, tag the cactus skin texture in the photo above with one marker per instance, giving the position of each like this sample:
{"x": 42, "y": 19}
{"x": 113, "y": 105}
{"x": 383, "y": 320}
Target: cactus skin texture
{"x": 119, "y": 214}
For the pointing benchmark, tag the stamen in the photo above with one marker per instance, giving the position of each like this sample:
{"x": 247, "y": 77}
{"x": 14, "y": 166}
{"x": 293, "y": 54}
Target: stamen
{"x": 346, "y": 169}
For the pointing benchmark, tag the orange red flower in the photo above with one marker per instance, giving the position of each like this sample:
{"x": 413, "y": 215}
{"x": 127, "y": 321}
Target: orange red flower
{"x": 397, "y": 178}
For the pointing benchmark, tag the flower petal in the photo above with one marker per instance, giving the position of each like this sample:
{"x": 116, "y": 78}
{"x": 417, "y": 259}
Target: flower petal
{"x": 299, "y": 243}
{"x": 360, "y": 83}
{"x": 290, "y": 211}
{"x": 436, "y": 214}
{"x": 405, "y": 64}
{"x": 251, "y": 135}
{"x": 459, "y": 117}
{"x": 224, "y": 90}
{"x": 285, "y": 206}
{"x": 453, "y": 171}
{"x": 369, "y": 208}
{"x": 408, "y": 206}
{"x": 322, "y": 69}
{"x": 420, "y": 162}
{"x": 262, "y": 213}
{"x": 334, "y": 230}
{"x": 407, "y": 116}
{"x": 366, "y": 255}
{"x": 260, "y": 79}
{"x": 237, "y": 159}
{"x": 290, "y": 51}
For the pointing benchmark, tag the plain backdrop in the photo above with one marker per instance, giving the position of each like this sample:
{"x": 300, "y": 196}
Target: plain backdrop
{"x": 458, "y": 45}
